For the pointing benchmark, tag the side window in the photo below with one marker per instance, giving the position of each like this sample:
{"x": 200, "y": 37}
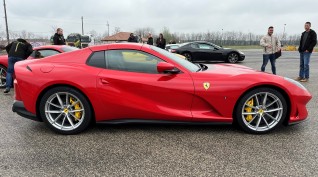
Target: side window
{"x": 205, "y": 46}
{"x": 97, "y": 59}
{"x": 45, "y": 53}
{"x": 194, "y": 45}
{"x": 132, "y": 61}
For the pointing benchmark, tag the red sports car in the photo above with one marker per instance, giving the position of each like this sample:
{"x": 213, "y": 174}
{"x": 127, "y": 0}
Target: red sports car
{"x": 135, "y": 83}
{"x": 39, "y": 52}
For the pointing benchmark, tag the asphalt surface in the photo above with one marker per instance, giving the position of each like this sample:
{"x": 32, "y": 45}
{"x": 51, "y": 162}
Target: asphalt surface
{"x": 29, "y": 148}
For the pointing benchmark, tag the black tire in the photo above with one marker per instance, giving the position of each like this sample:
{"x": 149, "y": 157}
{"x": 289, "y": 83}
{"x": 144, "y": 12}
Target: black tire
{"x": 3, "y": 73}
{"x": 253, "y": 116}
{"x": 233, "y": 57}
{"x": 74, "y": 117}
{"x": 188, "y": 56}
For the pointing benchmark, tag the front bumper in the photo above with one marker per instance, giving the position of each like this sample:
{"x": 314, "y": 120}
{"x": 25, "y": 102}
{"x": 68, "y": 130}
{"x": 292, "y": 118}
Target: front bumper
{"x": 241, "y": 57}
{"x": 18, "y": 107}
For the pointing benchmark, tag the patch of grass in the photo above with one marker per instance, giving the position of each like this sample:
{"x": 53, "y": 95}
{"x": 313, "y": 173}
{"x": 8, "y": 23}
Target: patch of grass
{"x": 244, "y": 47}
{"x": 3, "y": 52}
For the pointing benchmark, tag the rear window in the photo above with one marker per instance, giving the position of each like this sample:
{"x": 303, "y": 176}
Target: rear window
{"x": 97, "y": 59}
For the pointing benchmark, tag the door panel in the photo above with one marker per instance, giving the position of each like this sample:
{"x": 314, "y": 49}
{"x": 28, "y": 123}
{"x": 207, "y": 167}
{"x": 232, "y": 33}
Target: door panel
{"x": 145, "y": 96}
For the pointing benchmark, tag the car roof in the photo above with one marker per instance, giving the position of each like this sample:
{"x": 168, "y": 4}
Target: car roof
{"x": 128, "y": 45}
{"x": 56, "y": 47}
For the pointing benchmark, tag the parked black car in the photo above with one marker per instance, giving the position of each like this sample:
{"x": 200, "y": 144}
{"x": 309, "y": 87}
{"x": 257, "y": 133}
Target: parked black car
{"x": 202, "y": 51}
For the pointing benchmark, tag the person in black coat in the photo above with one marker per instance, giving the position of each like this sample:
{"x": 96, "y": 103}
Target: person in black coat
{"x": 150, "y": 39}
{"x": 132, "y": 38}
{"x": 17, "y": 50}
{"x": 58, "y": 38}
{"x": 307, "y": 43}
{"x": 161, "y": 42}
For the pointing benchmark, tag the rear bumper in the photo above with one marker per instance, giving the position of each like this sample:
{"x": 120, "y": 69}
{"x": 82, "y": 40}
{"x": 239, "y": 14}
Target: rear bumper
{"x": 18, "y": 107}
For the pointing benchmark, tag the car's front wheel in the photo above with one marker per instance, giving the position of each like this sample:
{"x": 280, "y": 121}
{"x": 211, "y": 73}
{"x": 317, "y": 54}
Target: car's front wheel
{"x": 3, "y": 74}
{"x": 232, "y": 57}
{"x": 261, "y": 110}
{"x": 65, "y": 110}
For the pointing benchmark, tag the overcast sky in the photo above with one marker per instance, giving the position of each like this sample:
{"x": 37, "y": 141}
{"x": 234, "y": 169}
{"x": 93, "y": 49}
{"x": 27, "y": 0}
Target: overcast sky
{"x": 184, "y": 16}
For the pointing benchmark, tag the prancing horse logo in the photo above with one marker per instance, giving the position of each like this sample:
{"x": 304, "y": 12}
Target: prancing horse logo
{"x": 206, "y": 85}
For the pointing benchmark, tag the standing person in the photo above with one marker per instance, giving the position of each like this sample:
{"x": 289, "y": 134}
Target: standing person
{"x": 307, "y": 43}
{"x": 17, "y": 51}
{"x": 132, "y": 38}
{"x": 150, "y": 39}
{"x": 161, "y": 42}
{"x": 271, "y": 44}
{"x": 58, "y": 38}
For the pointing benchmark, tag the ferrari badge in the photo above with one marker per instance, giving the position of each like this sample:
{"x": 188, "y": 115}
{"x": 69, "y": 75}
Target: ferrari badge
{"x": 206, "y": 85}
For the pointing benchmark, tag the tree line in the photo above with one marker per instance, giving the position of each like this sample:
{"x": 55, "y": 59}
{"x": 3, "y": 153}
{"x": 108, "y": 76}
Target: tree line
{"x": 226, "y": 38}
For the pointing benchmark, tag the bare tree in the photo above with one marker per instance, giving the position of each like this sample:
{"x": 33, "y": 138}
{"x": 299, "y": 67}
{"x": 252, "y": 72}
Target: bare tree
{"x": 116, "y": 30}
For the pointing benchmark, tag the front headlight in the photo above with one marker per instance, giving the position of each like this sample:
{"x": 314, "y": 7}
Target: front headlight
{"x": 295, "y": 83}
{"x": 241, "y": 52}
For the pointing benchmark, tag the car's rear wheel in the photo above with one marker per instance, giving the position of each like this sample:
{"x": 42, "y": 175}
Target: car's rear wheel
{"x": 188, "y": 56}
{"x": 65, "y": 110}
{"x": 232, "y": 57}
{"x": 3, "y": 74}
{"x": 261, "y": 110}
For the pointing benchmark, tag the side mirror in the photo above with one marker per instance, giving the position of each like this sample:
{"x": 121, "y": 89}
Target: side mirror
{"x": 163, "y": 67}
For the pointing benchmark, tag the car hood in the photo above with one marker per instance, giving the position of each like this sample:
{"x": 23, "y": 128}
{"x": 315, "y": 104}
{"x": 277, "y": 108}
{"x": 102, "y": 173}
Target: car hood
{"x": 229, "y": 69}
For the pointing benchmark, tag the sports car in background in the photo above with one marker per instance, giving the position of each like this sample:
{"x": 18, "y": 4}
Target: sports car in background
{"x": 39, "y": 52}
{"x": 201, "y": 51}
{"x": 138, "y": 83}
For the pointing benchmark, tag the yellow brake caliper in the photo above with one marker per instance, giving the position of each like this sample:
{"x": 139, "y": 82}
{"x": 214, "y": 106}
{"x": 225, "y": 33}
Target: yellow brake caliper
{"x": 77, "y": 106}
{"x": 248, "y": 109}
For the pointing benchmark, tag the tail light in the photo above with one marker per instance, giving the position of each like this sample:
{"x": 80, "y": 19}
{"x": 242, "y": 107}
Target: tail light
{"x": 173, "y": 51}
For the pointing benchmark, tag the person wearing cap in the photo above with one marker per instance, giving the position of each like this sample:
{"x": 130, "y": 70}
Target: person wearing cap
{"x": 17, "y": 50}
{"x": 132, "y": 38}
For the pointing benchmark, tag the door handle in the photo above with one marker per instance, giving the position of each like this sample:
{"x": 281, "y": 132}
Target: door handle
{"x": 104, "y": 81}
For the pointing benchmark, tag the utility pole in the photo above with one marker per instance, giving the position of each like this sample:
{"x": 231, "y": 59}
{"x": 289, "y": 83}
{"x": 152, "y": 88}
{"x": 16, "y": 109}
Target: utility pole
{"x": 6, "y": 19}
{"x": 222, "y": 38}
{"x": 284, "y": 33}
{"x": 108, "y": 28}
{"x": 82, "y": 26}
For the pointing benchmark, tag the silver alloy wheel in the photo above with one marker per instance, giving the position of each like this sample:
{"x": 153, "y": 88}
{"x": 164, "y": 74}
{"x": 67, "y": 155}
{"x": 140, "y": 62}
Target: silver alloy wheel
{"x": 233, "y": 58}
{"x": 262, "y": 111}
{"x": 187, "y": 56}
{"x": 3, "y": 74}
{"x": 64, "y": 111}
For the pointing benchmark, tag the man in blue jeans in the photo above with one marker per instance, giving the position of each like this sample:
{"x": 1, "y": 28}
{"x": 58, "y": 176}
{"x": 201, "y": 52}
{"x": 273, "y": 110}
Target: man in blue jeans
{"x": 270, "y": 44}
{"x": 17, "y": 51}
{"x": 307, "y": 43}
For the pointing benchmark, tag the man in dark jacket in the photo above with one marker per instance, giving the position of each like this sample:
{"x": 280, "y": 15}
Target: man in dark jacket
{"x": 132, "y": 38}
{"x": 58, "y": 38}
{"x": 150, "y": 39}
{"x": 17, "y": 51}
{"x": 161, "y": 42}
{"x": 307, "y": 43}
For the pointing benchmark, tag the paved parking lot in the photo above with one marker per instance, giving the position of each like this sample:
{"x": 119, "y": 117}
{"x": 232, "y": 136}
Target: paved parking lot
{"x": 29, "y": 148}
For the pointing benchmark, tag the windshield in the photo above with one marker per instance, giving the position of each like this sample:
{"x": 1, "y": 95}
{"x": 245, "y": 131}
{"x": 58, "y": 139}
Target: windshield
{"x": 71, "y": 38}
{"x": 216, "y": 46}
{"x": 69, "y": 48}
{"x": 185, "y": 63}
{"x": 85, "y": 39}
